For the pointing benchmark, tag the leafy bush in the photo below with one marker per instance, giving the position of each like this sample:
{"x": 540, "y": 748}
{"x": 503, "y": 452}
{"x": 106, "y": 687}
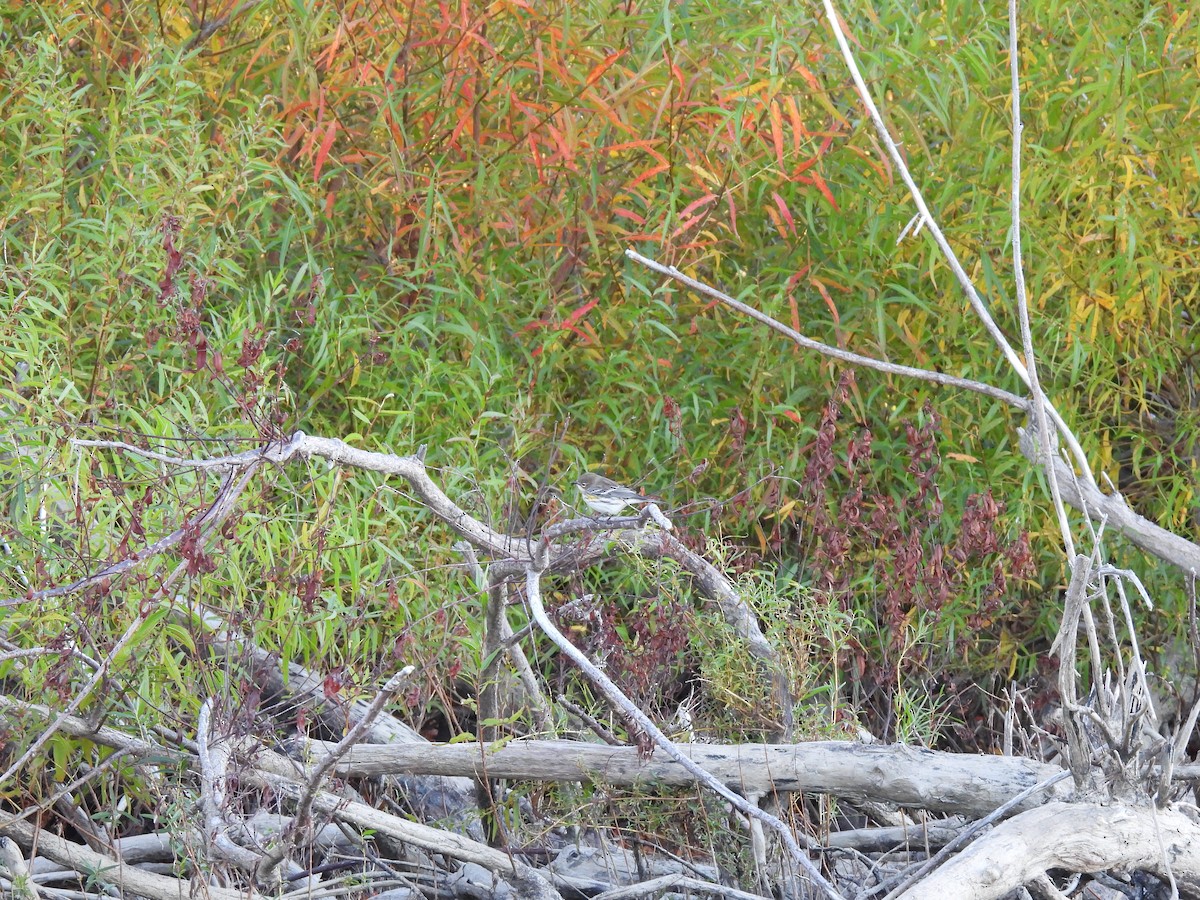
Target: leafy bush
{"x": 404, "y": 224}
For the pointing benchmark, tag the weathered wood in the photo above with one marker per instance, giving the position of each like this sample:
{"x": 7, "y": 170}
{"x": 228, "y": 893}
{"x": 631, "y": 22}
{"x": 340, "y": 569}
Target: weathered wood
{"x": 1072, "y": 837}
{"x": 969, "y": 784}
{"x": 108, "y": 870}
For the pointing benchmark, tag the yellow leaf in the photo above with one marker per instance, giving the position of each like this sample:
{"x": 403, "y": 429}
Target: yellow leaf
{"x": 962, "y": 457}
{"x": 704, "y": 174}
{"x": 752, "y": 88}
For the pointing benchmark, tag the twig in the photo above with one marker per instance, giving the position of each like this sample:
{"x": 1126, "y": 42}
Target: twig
{"x": 213, "y": 758}
{"x": 1035, "y": 389}
{"x": 221, "y": 507}
{"x": 410, "y": 468}
{"x": 208, "y": 29}
{"x": 1112, "y": 510}
{"x": 211, "y": 520}
{"x": 678, "y": 881}
{"x": 837, "y": 353}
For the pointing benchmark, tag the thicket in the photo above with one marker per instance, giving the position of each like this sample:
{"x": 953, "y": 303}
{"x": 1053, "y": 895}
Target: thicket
{"x": 404, "y": 225}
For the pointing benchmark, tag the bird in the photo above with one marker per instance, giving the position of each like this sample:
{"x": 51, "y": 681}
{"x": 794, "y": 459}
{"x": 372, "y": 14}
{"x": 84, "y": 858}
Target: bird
{"x": 606, "y": 497}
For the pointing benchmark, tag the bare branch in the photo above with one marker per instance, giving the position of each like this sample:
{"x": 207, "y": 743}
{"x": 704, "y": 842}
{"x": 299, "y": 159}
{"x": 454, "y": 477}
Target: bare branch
{"x": 974, "y": 828}
{"x": 913, "y": 777}
{"x": 210, "y": 521}
{"x": 106, "y": 870}
{"x": 1112, "y": 509}
{"x": 278, "y": 773}
{"x": 837, "y": 353}
{"x": 220, "y": 508}
{"x": 267, "y": 868}
{"x": 1035, "y": 388}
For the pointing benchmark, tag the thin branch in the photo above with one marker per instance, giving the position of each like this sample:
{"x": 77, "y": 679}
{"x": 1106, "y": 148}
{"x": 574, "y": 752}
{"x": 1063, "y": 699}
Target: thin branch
{"x": 410, "y": 468}
{"x": 213, "y": 760}
{"x": 217, "y": 511}
{"x": 212, "y": 520}
{"x": 130, "y": 880}
{"x": 1112, "y": 510}
{"x": 267, "y": 868}
{"x": 1035, "y": 388}
{"x": 837, "y": 353}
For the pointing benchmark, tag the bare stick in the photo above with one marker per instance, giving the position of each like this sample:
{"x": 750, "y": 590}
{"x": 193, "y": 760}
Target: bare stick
{"x": 410, "y": 468}
{"x": 837, "y": 353}
{"x": 1112, "y": 509}
{"x": 213, "y": 757}
{"x": 211, "y": 521}
{"x": 278, "y": 773}
{"x": 267, "y": 868}
{"x": 219, "y": 509}
{"x": 109, "y": 870}
{"x": 1035, "y": 388}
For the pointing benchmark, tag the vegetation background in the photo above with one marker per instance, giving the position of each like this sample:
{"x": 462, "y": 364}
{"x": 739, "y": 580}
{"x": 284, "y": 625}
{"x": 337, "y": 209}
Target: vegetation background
{"x": 403, "y": 224}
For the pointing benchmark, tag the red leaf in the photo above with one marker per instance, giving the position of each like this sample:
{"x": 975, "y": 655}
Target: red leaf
{"x": 696, "y": 204}
{"x": 787, "y": 213}
{"x": 573, "y": 319}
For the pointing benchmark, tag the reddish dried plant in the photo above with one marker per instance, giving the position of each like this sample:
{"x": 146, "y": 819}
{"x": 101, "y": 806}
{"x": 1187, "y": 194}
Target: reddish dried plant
{"x": 893, "y": 551}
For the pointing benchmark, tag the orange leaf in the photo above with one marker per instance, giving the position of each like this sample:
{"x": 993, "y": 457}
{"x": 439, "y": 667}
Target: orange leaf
{"x": 824, "y": 292}
{"x": 777, "y": 131}
{"x": 804, "y": 167}
{"x": 537, "y": 158}
{"x": 465, "y": 119}
{"x": 601, "y": 68}
{"x": 824, "y": 189}
{"x": 649, "y": 173}
{"x": 773, "y": 215}
{"x": 323, "y": 152}
{"x": 798, "y": 129}
{"x": 647, "y": 145}
{"x": 810, "y": 78}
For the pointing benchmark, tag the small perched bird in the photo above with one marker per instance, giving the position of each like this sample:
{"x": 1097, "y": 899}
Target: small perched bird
{"x": 607, "y": 497}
